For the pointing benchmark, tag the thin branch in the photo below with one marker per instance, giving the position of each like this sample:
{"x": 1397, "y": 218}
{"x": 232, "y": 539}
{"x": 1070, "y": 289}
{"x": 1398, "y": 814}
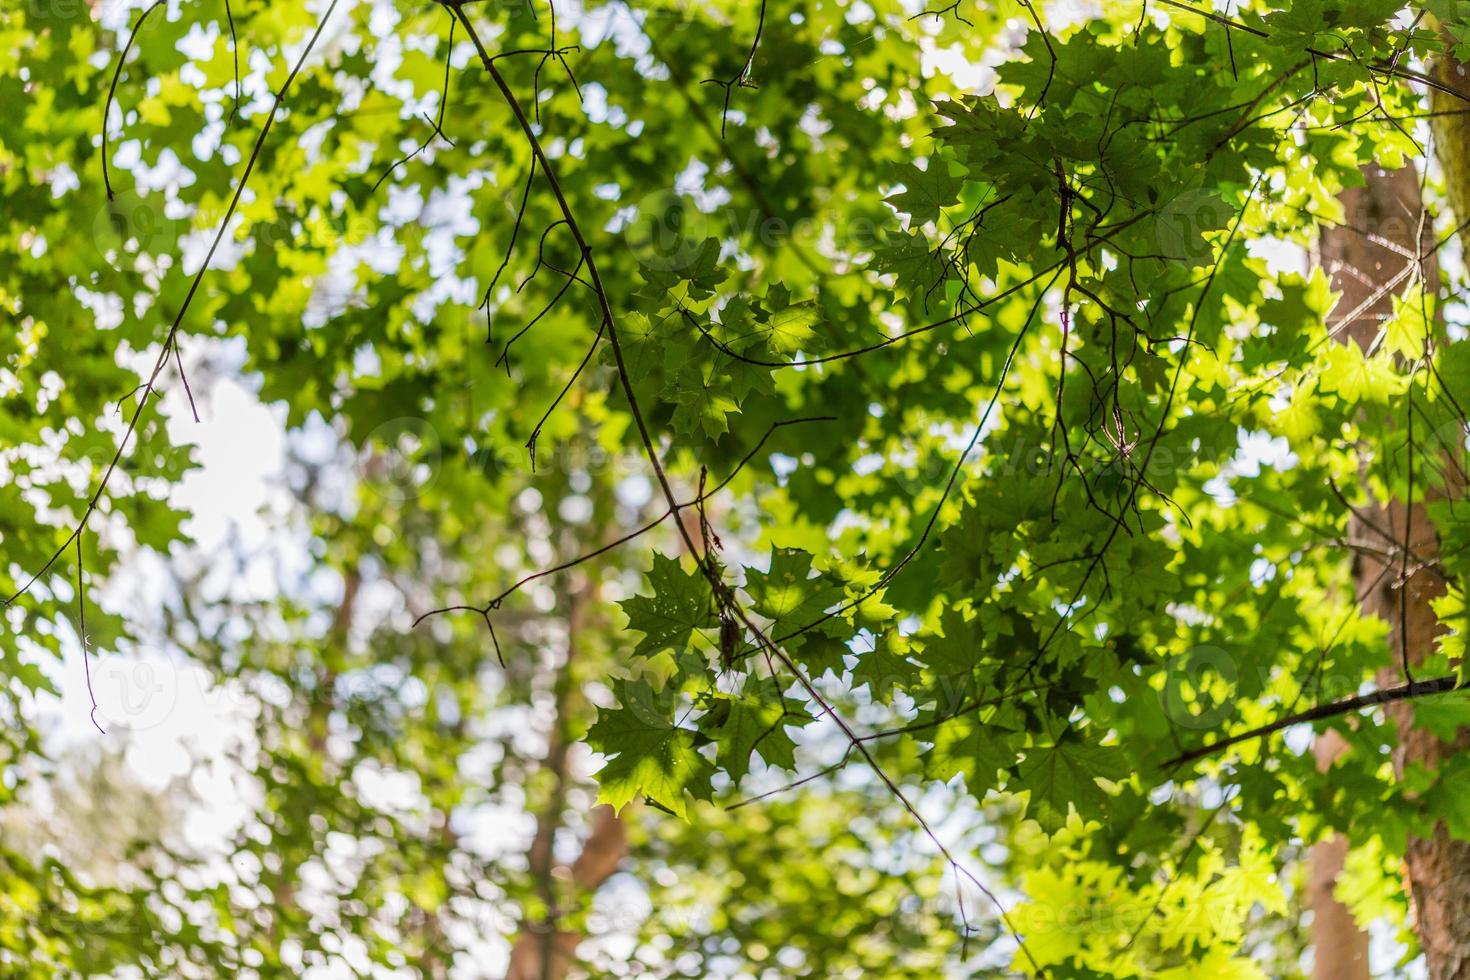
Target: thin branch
{"x": 536, "y": 432}
{"x": 1392, "y": 69}
{"x": 235, "y": 53}
{"x": 179, "y": 362}
{"x": 741, "y": 78}
{"x": 1051, "y": 71}
{"x": 82, "y": 634}
{"x": 112, "y": 90}
{"x": 515, "y": 232}
{"x": 494, "y": 603}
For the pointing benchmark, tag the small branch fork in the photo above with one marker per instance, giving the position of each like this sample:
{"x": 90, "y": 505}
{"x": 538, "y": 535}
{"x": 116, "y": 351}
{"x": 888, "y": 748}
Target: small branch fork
{"x": 571, "y": 276}
{"x": 696, "y": 501}
{"x": 741, "y": 78}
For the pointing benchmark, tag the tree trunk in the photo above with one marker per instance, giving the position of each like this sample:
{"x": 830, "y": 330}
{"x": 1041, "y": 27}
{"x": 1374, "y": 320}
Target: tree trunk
{"x": 1372, "y": 257}
{"x": 1340, "y": 948}
{"x": 1364, "y": 257}
{"x": 544, "y": 950}
{"x": 1439, "y": 867}
{"x": 547, "y": 952}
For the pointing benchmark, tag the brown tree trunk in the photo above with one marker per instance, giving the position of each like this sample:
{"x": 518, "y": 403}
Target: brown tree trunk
{"x": 1364, "y": 257}
{"x": 545, "y": 950}
{"x": 1373, "y": 256}
{"x": 1340, "y": 948}
{"x": 1439, "y": 867}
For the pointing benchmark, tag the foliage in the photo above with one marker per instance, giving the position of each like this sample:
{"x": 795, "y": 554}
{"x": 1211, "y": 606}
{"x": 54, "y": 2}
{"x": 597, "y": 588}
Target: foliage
{"x": 957, "y": 402}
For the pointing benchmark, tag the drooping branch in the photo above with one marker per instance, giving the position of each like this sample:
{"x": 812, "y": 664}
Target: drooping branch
{"x": 148, "y": 388}
{"x": 717, "y": 585}
{"x": 112, "y": 89}
{"x": 82, "y": 632}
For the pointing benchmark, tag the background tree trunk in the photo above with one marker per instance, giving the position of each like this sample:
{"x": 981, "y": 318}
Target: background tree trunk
{"x": 1339, "y": 947}
{"x": 1365, "y": 258}
{"x": 547, "y": 953}
{"x": 1439, "y": 867}
{"x": 545, "y": 950}
{"x": 1372, "y": 257}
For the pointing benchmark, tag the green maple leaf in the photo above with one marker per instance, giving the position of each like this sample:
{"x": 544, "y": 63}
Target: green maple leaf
{"x": 1453, "y": 370}
{"x": 1444, "y": 714}
{"x": 703, "y": 401}
{"x": 705, "y": 271}
{"x": 927, "y": 192}
{"x": 750, "y": 724}
{"x": 822, "y": 649}
{"x": 783, "y": 325}
{"x": 1303, "y": 303}
{"x": 1447, "y": 798}
{"x": 885, "y": 667}
{"x": 790, "y": 328}
{"x": 788, "y": 593}
{"x": 914, "y": 263}
{"x": 647, "y": 753}
{"x": 1356, "y": 377}
{"x": 978, "y": 751}
{"x": 648, "y": 344}
{"x": 680, "y": 604}
{"x": 696, "y": 266}
{"x": 1067, "y": 773}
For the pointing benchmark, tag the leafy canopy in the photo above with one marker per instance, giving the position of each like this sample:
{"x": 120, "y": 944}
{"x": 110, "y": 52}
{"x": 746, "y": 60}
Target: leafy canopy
{"x": 948, "y": 403}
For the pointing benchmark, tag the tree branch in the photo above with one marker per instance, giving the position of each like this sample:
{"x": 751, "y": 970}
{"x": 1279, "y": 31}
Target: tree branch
{"x": 1405, "y": 692}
